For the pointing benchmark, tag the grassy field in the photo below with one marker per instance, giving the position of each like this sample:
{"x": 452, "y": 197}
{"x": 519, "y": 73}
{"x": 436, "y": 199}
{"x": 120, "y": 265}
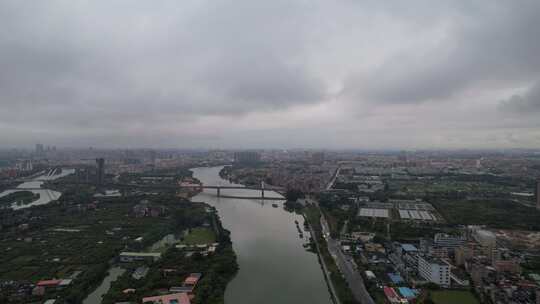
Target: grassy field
{"x": 495, "y": 213}
{"x": 453, "y": 296}
{"x": 200, "y": 236}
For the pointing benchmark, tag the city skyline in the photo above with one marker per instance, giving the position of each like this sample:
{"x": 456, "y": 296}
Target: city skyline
{"x": 284, "y": 74}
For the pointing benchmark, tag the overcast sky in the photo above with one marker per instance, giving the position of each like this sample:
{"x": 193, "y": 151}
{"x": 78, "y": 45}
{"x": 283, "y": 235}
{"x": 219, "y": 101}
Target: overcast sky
{"x": 259, "y": 74}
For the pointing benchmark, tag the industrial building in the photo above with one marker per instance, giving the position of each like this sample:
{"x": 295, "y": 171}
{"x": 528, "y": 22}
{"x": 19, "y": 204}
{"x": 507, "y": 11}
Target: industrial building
{"x": 415, "y": 210}
{"x": 448, "y": 241}
{"x": 139, "y": 256}
{"x": 372, "y": 212}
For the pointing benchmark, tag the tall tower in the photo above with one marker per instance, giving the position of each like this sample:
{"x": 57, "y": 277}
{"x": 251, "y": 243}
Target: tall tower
{"x": 100, "y": 162}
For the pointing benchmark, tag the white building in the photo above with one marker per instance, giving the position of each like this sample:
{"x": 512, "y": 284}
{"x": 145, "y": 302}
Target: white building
{"x": 434, "y": 270}
{"x": 448, "y": 241}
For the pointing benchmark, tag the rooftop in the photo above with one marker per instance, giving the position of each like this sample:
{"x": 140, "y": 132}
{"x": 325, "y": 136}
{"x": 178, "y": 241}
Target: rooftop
{"x": 48, "y": 282}
{"x": 409, "y": 247}
{"x": 174, "y": 298}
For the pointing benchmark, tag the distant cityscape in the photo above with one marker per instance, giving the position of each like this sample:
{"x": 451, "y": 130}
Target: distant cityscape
{"x": 400, "y": 227}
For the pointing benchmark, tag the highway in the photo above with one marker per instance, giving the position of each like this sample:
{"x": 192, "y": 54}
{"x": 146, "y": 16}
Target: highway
{"x": 324, "y": 267}
{"x": 343, "y": 262}
{"x": 333, "y": 179}
{"x": 346, "y": 266}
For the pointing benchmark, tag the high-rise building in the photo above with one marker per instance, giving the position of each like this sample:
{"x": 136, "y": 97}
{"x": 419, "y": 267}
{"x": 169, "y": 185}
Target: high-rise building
{"x": 538, "y": 194}
{"x": 100, "y": 162}
{"x": 434, "y": 270}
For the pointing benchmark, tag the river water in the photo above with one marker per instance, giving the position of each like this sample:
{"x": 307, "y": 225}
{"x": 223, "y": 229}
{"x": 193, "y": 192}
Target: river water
{"x": 274, "y": 266}
{"x": 45, "y": 195}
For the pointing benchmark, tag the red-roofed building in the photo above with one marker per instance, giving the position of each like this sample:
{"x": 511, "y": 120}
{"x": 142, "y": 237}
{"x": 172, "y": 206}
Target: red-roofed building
{"x": 392, "y": 296}
{"x": 192, "y": 280}
{"x": 175, "y": 298}
{"x": 49, "y": 283}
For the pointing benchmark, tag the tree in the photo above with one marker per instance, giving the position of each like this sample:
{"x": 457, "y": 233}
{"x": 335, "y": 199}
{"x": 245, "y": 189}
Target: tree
{"x": 293, "y": 195}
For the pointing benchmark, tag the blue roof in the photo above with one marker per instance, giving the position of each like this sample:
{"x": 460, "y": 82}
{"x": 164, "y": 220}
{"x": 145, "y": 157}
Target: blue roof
{"x": 406, "y": 292}
{"x": 395, "y": 278}
{"x": 409, "y": 247}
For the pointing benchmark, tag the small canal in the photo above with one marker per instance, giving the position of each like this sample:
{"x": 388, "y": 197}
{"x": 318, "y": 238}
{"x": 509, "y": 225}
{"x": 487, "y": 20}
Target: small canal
{"x": 96, "y": 296}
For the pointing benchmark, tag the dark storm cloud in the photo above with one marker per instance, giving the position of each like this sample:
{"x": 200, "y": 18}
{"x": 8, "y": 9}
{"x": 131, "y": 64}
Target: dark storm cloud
{"x": 494, "y": 44}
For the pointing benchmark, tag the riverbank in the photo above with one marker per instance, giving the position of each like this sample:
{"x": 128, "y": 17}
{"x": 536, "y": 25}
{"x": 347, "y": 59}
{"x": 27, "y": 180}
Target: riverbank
{"x": 336, "y": 282}
{"x": 34, "y": 185}
{"x": 326, "y": 272}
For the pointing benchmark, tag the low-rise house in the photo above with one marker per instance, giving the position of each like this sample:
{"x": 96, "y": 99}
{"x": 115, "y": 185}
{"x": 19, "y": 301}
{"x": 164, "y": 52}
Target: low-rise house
{"x": 140, "y": 272}
{"x": 139, "y": 256}
{"x": 370, "y": 275}
{"x": 174, "y": 298}
{"x": 192, "y": 279}
{"x": 177, "y": 289}
{"x": 49, "y": 283}
{"x": 392, "y": 296}
{"x": 144, "y": 209}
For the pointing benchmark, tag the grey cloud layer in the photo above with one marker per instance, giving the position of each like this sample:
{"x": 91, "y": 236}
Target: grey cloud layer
{"x": 136, "y": 73}
{"x": 194, "y": 64}
{"x": 494, "y": 44}
{"x": 528, "y": 103}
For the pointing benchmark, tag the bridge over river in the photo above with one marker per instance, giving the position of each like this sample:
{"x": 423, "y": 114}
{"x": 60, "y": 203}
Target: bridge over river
{"x": 218, "y": 189}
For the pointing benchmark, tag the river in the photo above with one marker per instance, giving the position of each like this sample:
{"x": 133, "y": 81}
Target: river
{"x": 274, "y": 266}
{"x": 45, "y": 195}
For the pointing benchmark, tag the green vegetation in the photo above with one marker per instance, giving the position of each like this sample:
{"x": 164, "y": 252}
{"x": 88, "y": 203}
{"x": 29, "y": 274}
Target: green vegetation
{"x": 221, "y": 270}
{"x": 291, "y": 204}
{"x": 343, "y": 291}
{"x": 68, "y": 236}
{"x": 217, "y": 270}
{"x": 19, "y": 197}
{"x": 453, "y": 297}
{"x": 457, "y": 186}
{"x": 199, "y": 236}
{"x": 293, "y": 195}
{"x": 495, "y": 213}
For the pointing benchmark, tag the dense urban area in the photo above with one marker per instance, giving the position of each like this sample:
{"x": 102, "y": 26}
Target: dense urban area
{"x": 123, "y": 226}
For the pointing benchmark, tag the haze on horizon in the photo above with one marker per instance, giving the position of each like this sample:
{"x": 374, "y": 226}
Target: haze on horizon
{"x": 255, "y": 74}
